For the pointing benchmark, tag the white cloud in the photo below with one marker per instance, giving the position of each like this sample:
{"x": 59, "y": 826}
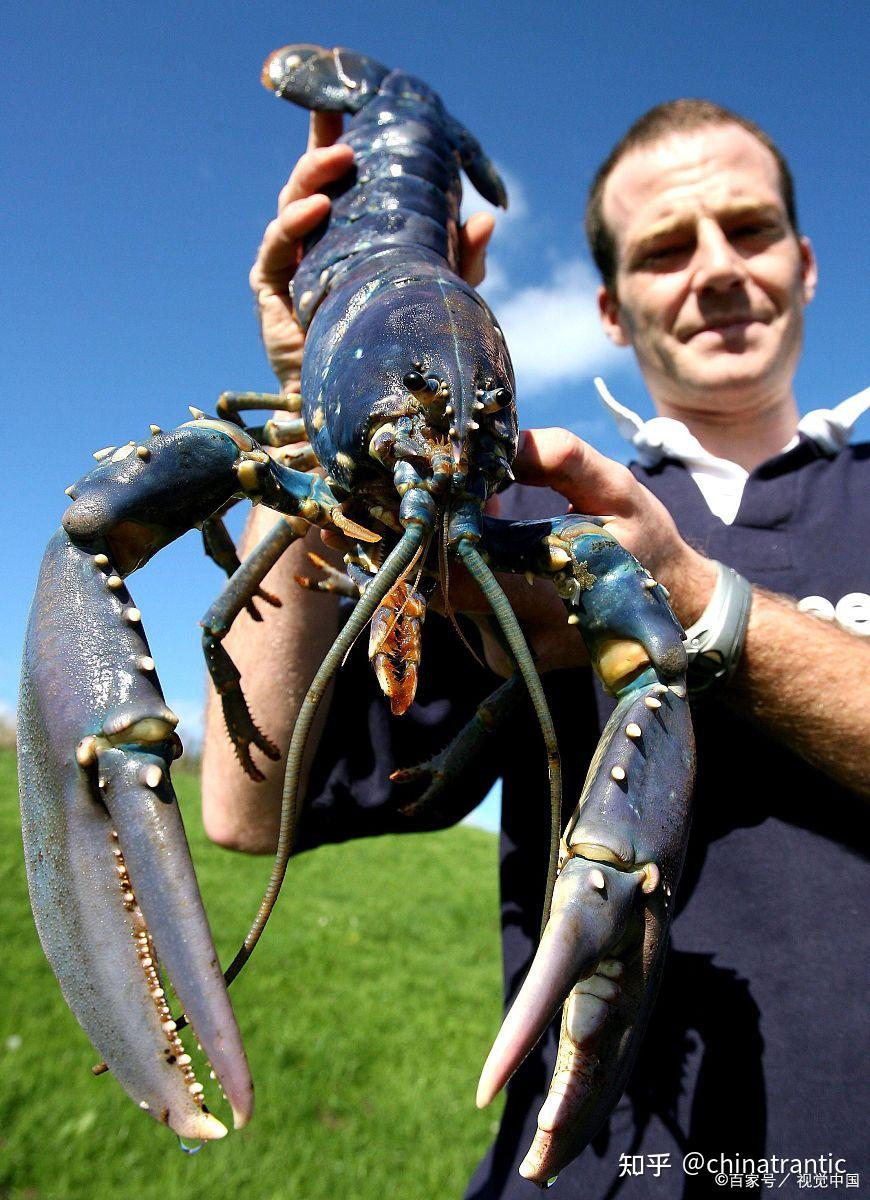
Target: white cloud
{"x": 552, "y": 329}
{"x": 518, "y": 205}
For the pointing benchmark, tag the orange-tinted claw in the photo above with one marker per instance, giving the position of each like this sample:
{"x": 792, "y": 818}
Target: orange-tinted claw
{"x": 394, "y": 645}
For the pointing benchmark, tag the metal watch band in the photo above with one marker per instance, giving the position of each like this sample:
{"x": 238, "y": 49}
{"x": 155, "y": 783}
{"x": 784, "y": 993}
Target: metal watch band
{"x": 715, "y": 641}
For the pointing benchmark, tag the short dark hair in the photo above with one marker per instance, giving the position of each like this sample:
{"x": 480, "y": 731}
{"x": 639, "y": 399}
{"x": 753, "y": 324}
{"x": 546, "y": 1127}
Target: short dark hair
{"x": 674, "y": 116}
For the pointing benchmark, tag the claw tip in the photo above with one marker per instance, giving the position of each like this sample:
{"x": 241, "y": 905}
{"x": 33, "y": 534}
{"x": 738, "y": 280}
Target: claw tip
{"x": 241, "y": 1117}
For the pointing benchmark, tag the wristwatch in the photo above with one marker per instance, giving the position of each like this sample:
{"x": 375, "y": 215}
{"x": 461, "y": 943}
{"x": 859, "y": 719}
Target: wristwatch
{"x": 715, "y": 641}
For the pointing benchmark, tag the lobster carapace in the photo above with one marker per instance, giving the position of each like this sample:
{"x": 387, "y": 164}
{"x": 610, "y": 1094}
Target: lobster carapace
{"x": 407, "y": 405}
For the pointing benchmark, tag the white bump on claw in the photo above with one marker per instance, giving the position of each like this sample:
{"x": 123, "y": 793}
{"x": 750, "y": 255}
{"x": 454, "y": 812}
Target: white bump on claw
{"x": 632, "y": 730}
{"x": 143, "y": 452}
{"x": 114, "y": 582}
{"x": 86, "y": 751}
{"x": 596, "y": 879}
{"x": 617, "y": 773}
{"x": 132, "y": 615}
{"x": 196, "y": 413}
{"x": 155, "y": 429}
{"x": 101, "y": 560}
{"x": 652, "y": 703}
{"x": 652, "y": 875}
{"x": 600, "y": 986}
{"x": 151, "y": 776}
{"x": 145, "y": 663}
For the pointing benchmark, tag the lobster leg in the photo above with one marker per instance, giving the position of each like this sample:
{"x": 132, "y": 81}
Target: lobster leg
{"x": 621, "y": 855}
{"x": 230, "y": 404}
{"x": 332, "y": 580}
{"x": 220, "y": 548}
{"x": 217, "y": 622}
{"x": 443, "y": 773}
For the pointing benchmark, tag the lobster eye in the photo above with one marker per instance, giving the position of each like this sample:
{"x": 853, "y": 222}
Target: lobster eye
{"x": 415, "y": 382}
{"x": 502, "y": 397}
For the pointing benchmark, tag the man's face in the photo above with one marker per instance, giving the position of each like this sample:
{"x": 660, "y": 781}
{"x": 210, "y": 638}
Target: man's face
{"x": 711, "y": 279}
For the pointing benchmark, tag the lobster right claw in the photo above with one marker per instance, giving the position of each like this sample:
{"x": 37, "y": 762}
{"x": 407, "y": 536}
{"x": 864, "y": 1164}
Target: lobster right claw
{"x": 111, "y": 881}
{"x": 603, "y": 946}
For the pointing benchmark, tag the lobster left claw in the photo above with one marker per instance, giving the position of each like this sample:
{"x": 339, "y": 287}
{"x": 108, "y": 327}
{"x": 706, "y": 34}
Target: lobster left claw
{"x": 111, "y": 881}
{"x": 602, "y": 950}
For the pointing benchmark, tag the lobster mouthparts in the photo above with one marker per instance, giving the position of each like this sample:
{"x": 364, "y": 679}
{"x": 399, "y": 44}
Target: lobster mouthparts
{"x": 110, "y": 876}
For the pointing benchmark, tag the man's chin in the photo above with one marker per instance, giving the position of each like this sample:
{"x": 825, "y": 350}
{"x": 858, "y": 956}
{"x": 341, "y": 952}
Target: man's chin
{"x": 726, "y": 370}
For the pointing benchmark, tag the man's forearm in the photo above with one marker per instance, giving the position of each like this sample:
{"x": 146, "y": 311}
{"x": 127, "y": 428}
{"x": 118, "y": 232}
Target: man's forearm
{"x": 803, "y": 681}
{"x": 806, "y": 682}
{"x": 277, "y": 658}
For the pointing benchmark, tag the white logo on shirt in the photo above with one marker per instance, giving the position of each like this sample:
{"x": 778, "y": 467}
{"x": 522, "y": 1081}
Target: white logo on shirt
{"x": 852, "y": 611}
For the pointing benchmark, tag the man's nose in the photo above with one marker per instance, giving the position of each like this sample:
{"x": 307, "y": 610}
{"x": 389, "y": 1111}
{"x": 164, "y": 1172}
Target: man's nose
{"x": 717, "y": 266}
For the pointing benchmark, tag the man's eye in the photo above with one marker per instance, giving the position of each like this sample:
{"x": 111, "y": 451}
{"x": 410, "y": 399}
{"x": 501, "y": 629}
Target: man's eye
{"x": 754, "y": 229}
{"x": 665, "y": 254}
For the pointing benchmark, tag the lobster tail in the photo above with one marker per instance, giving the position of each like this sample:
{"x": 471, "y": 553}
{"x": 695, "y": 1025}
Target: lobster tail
{"x": 323, "y": 80}
{"x": 342, "y": 80}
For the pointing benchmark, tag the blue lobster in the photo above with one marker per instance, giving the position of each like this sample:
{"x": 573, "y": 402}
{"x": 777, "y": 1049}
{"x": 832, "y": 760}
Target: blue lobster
{"x": 407, "y": 403}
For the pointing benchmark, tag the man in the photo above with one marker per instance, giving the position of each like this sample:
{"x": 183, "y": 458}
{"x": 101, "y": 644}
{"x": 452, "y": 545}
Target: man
{"x": 705, "y": 275}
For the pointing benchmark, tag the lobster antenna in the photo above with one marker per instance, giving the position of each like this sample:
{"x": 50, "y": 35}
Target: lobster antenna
{"x": 510, "y": 627}
{"x": 444, "y": 575}
{"x": 397, "y": 562}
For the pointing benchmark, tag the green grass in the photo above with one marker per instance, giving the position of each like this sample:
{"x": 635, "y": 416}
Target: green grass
{"x": 367, "y": 1011}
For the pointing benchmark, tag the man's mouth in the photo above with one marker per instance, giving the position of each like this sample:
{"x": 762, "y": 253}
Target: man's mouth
{"x": 725, "y": 326}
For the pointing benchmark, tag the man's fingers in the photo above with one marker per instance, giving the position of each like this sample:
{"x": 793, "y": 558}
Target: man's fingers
{"x": 474, "y": 238}
{"x": 324, "y": 129}
{"x": 558, "y": 459}
{"x": 278, "y": 254}
{"x": 314, "y": 170}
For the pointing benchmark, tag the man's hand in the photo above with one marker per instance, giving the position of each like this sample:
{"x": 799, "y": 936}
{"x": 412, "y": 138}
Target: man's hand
{"x": 301, "y": 207}
{"x": 597, "y": 486}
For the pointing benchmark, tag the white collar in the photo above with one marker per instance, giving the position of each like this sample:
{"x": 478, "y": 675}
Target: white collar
{"x": 720, "y": 480}
{"x": 665, "y": 437}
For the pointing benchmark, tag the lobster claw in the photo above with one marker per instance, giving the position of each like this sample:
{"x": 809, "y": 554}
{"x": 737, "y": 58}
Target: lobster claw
{"x": 111, "y": 881}
{"x": 603, "y": 946}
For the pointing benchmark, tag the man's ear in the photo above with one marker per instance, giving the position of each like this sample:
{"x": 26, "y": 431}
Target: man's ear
{"x": 608, "y": 311}
{"x": 809, "y": 268}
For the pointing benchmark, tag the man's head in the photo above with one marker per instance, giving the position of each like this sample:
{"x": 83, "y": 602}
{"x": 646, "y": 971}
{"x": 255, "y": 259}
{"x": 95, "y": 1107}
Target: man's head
{"x": 692, "y": 223}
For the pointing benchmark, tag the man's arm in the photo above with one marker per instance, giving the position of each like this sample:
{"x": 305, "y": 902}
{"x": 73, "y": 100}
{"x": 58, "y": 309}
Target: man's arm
{"x": 803, "y": 681}
{"x": 278, "y": 656}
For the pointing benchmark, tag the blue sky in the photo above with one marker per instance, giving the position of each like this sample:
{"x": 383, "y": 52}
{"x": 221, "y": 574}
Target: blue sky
{"x": 143, "y": 159}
